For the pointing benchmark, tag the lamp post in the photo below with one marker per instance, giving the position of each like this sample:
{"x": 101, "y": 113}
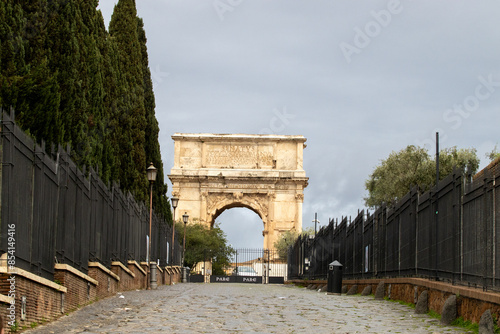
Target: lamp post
{"x": 185, "y": 218}
{"x": 151, "y": 173}
{"x": 175, "y": 201}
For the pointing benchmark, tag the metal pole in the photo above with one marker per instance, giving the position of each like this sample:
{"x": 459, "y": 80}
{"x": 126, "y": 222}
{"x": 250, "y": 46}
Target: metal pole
{"x": 437, "y": 207}
{"x": 315, "y": 221}
{"x": 173, "y": 238}
{"x": 150, "y": 220}
{"x": 184, "y": 245}
{"x": 437, "y": 158}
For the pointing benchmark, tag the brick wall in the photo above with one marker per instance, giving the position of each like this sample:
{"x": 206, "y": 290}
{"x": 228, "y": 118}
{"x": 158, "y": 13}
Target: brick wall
{"x": 47, "y": 300}
{"x": 82, "y": 289}
{"x": 160, "y": 278}
{"x": 43, "y": 303}
{"x": 172, "y": 275}
{"x": 3, "y": 313}
{"x": 108, "y": 282}
{"x": 140, "y": 281}
{"x": 127, "y": 277}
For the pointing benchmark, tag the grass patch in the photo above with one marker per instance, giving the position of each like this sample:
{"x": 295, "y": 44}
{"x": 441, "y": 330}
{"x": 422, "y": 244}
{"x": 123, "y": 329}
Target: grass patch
{"x": 400, "y": 302}
{"x": 434, "y": 314}
{"x": 467, "y": 324}
{"x": 14, "y": 328}
{"x": 474, "y": 327}
{"x": 495, "y": 322}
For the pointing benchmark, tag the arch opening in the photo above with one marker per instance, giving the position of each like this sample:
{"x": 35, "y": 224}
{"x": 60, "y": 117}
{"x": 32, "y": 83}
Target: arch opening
{"x": 234, "y": 205}
{"x": 243, "y": 227}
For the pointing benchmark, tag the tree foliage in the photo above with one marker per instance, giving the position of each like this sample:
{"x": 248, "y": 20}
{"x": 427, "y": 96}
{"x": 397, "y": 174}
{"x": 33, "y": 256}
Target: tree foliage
{"x": 70, "y": 82}
{"x": 411, "y": 167}
{"x": 285, "y": 241}
{"x": 494, "y": 154}
{"x": 288, "y": 239}
{"x": 205, "y": 244}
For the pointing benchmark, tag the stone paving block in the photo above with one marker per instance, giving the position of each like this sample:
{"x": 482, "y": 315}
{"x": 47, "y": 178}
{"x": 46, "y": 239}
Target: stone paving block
{"x": 241, "y": 308}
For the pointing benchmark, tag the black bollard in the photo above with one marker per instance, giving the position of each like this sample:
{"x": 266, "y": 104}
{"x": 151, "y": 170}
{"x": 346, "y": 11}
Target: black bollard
{"x": 334, "y": 278}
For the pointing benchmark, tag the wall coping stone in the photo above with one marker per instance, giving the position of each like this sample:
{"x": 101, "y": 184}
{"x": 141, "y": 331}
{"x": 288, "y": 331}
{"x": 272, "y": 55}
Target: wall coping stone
{"x": 138, "y": 266}
{"x": 103, "y": 268}
{"x": 144, "y": 263}
{"x": 125, "y": 269}
{"x": 174, "y": 269}
{"x": 6, "y": 299}
{"x": 76, "y": 272}
{"x": 159, "y": 268}
{"x": 33, "y": 277}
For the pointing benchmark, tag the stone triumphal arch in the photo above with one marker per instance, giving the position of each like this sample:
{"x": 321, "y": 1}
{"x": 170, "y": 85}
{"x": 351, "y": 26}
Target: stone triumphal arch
{"x": 263, "y": 173}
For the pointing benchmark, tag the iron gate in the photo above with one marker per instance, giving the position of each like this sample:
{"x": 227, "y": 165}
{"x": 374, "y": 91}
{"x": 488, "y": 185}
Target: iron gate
{"x": 258, "y": 266}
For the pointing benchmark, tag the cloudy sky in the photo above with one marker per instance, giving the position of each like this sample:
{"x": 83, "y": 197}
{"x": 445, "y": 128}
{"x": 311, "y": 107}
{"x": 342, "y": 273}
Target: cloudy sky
{"x": 359, "y": 79}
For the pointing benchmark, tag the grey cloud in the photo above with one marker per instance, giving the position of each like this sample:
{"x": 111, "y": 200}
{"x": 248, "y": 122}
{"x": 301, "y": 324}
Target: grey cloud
{"x": 230, "y": 76}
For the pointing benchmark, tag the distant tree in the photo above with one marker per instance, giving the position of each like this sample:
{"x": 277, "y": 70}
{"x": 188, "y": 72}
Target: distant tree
{"x": 288, "y": 239}
{"x": 413, "y": 166}
{"x": 494, "y": 154}
{"x": 284, "y": 242}
{"x": 203, "y": 243}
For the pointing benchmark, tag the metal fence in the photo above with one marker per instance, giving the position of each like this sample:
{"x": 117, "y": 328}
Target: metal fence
{"x": 59, "y": 213}
{"x": 450, "y": 233}
{"x": 265, "y": 264}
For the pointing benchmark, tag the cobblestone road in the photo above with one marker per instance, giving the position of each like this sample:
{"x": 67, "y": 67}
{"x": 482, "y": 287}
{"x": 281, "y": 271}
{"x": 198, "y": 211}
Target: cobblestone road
{"x": 240, "y": 308}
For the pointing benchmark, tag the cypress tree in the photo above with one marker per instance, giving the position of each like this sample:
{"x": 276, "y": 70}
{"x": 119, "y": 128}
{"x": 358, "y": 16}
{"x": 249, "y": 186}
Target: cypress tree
{"x": 113, "y": 132}
{"x": 152, "y": 145}
{"x": 65, "y": 59}
{"x": 29, "y": 85}
{"x": 72, "y": 82}
{"x": 132, "y": 115}
{"x": 90, "y": 37}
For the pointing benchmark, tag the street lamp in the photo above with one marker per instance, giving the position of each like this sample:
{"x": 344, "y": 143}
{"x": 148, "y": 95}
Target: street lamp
{"x": 175, "y": 201}
{"x": 151, "y": 173}
{"x": 185, "y": 218}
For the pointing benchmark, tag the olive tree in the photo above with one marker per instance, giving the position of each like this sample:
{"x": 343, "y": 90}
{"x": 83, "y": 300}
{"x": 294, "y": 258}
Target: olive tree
{"x": 413, "y": 166}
